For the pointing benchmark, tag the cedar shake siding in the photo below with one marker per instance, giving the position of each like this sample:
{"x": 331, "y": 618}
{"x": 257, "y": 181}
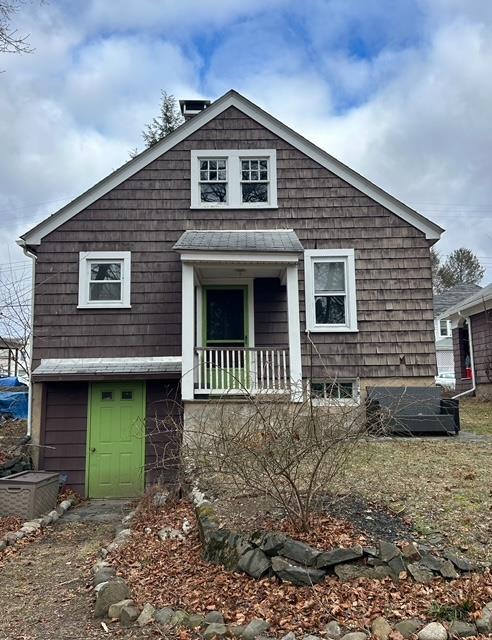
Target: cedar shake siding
{"x": 64, "y": 429}
{"x": 149, "y": 211}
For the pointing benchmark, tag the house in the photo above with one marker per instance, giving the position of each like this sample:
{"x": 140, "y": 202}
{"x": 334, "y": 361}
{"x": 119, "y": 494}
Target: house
{"x": 232, "y": 255}
{"x": 442, "y": 326}
{"x": 471, "y": 324}
{"x": 12, "y": 357}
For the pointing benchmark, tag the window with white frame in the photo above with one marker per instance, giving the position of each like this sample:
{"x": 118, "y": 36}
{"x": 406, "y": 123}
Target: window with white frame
{"x": 330, "y": 290}
{"x": 334, "y": 390}
{"x": 233, "y": 178}
{"x": 444, "y": 328}
{"x": 104, "y": 279}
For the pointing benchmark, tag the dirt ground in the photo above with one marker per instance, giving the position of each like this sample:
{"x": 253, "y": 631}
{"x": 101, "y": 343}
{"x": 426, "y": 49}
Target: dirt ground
{"x": 45, "y": 586}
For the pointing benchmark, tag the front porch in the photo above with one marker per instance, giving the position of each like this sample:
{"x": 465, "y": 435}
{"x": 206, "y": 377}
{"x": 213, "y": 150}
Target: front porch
{"x": 240, "y": 313}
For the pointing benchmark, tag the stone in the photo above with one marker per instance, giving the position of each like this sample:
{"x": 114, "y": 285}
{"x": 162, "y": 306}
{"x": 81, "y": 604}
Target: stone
{"x": 103, "y": 575}
{"x": 431, "y": 562}
{"x": 11, "y": 537}
{"x": 255, "y": 563}
{"x": 214, "y": 616}
{"x": 99, "y": 586}
{"x": 387, "y": 550}
{"x": 332, "y": 630}
{"x": 370, "y": 551}
{"x": 160, "y": 499}
{"x": 447, "y": 570}
{"x": 146, "y": 615}
{"x": 214, "y": 630}
{"x": 255, "y": 628}
{"x": 194, "y": 621}
{"x": 236, "y": 631}
{"x": 299, "y": 552}
{"x": 408, "y": 628}
{"x": 347, "y": 572}
{"x": 338, "y": 556}
{"x": 129, "y": 615}
{"x": 411, "y": 552}
{"x": 110, "y": 593}
{"x": 420, "y": 573}
{"x": 484, "y": 623}
{"x": 461, "y": 563}
{"x": 380, "y": 628}
{"x": 433, "y": 631}
{"x": 168, "y": 533}
{"x": 46, "y": 520}
{"x": 289, "y": 636}
{"x": 355, "y": 635}
{"x": 301, "y": 576}
{"x": 398, "y": 568}
{"x": 65, "y": 505}
{"x": 114, "y": 610}
{"x": 3, "y": 545}
{"x": 129, "y": 517}
{"x": 54, "y": 515}
{"x": 462, "y": 629}
{"x": 163, "y": 616}
{"x": 179, "y": 618}
{"x": 272, "y": 543}
{"x": 308, "y": 636}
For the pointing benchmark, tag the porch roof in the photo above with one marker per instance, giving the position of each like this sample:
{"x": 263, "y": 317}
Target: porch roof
{"x": 269, "y": 241}
{"x": 90, "y": 368}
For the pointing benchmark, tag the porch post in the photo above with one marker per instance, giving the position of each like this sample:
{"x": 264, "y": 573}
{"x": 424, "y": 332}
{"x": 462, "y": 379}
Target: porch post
{"x": 187, "y": 331}
{"x": 295, "y": 362}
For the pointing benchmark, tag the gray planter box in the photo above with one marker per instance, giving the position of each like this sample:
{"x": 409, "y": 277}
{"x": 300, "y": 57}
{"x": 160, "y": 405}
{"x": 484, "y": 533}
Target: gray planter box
{"x": 28, "y": 494}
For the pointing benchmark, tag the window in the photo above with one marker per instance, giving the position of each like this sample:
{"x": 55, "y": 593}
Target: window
{"x": 254, "y": 180}
{"x": 444, "y": 328}
{"x": 127, "y": 395}
{"x": 330, "y": 290}
{"x": 104, "y": 279}
{"x": 334, "y": 390}
{"x": 106, "y": 395}
{"x": 213, "y": 180}
{"x": 234, "y": 178}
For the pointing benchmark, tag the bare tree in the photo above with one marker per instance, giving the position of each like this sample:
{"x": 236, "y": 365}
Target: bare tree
{"x": 11, "y": 41}
{"x": 15, "y": 316}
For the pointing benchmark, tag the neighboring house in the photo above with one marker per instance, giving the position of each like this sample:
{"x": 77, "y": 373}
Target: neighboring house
{"x": 12, "y": 361}
{"x": 232, "y": 254}
{"x": 442, "y": 326}
{"x": 471, "y": 323}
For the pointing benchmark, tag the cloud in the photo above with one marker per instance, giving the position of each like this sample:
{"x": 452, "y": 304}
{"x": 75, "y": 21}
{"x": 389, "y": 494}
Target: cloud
{"x": 402, "y": 93}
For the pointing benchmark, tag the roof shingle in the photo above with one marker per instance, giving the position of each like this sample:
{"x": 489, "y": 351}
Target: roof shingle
{"x": 276, "y": 240}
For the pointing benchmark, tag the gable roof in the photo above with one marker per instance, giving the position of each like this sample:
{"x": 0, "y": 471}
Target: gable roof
{"x": 451, "y": 297}
{"x": 476, "y": 303}
{"x": 230, "y": 99}
{"x": 276, "y": 240}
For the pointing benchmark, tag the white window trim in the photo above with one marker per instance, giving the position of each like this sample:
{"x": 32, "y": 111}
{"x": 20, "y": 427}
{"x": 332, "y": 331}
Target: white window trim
{"x": 233, "y": 157}
{"x": 328, "y": 402}
{"x": 86, "y": 256}
{"x": 448, "y": 328}
{"x": 348, "y": 256}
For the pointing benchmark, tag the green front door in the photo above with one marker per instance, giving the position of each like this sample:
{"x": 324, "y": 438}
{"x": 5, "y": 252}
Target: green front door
{"x": 225, "y": 335}
{"x": 116, "y": 440}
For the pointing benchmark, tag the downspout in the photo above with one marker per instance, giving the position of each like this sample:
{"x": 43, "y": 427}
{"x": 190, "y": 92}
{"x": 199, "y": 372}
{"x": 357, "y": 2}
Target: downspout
{"x": 472, "y": 361}
{"x": 32, "y": 255}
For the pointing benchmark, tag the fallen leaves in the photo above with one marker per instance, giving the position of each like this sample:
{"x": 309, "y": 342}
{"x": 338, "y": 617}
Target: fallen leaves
{"x": 173, "y": 573}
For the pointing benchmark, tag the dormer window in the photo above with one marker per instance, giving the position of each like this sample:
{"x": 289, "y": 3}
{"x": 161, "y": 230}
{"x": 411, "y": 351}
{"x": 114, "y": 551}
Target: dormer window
{"x": 234, "y": 179}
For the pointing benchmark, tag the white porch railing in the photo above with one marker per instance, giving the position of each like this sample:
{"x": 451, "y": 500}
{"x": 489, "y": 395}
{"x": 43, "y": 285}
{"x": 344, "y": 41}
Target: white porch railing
{"x": 240, "y": 370}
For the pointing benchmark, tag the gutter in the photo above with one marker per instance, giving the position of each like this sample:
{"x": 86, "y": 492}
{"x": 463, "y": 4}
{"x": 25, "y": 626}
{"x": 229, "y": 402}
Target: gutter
{"x": 472, "y": 361}
{"x": 32, "y": 255}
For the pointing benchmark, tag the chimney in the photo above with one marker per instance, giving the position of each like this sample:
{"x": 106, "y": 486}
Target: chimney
{"x": 190, "y": 108}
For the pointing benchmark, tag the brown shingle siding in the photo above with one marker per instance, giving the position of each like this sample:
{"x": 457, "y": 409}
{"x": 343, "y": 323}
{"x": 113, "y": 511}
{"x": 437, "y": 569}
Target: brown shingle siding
{"x": 148, "y": 213}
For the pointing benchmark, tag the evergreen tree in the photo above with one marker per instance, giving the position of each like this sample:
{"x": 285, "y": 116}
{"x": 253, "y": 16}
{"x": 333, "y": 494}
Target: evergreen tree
{"x": 461, "y": 267}
{"x": 166, "y": 122}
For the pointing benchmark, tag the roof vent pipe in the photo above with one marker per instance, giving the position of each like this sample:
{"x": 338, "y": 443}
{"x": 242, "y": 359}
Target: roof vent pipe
{"x": 190, "y": 108}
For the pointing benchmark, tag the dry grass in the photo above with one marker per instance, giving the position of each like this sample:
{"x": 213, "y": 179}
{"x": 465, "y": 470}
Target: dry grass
{"x": 444, "y": 486}
{"x": 476, "y": 416}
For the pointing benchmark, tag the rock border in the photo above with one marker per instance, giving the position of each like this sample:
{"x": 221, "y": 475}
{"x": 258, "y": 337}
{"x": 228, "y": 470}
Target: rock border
{"x": 263, "y": 553}
{"x": 113, "y": 600}
{"x": 31, "y": 526}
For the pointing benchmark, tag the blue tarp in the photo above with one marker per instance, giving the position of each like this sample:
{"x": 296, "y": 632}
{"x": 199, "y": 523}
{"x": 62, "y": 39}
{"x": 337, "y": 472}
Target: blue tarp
{"x": 11, "y": 381}
{"x": 14, "y": 404}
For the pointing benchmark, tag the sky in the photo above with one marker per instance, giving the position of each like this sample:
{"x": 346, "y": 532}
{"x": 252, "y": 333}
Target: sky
{"x": 400, "y": 90}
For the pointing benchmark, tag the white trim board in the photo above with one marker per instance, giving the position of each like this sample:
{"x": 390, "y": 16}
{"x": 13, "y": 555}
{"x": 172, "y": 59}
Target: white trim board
{"x": 230, "y": 99}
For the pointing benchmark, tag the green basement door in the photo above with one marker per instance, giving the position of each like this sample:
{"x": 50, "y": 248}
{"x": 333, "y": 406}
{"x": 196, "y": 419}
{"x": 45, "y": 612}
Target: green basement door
{"x": 116, "y": 442}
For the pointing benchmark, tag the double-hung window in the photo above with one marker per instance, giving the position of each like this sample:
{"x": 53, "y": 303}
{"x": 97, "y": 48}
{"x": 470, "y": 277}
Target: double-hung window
{"x": 234, "y": 178}
{"x": 104, "y": 279}
{"x": 213, "y": 180}
{"x": 330, "y": 290}
{"x": 444, "y": 328}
